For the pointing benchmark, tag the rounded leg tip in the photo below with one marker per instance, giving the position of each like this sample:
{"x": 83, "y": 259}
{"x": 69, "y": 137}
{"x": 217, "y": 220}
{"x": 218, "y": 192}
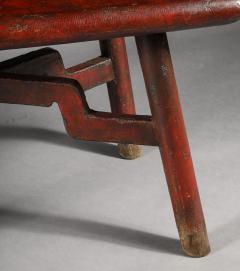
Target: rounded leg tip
{"x": 196, "y": 245}
{"x": 129, "y": 151}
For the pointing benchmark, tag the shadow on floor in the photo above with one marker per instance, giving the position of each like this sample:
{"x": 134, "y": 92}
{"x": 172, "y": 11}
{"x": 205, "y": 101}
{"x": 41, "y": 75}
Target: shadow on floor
{"x": 225, "y": 234}
{"x": 82, "y": 228}
{"x": 57, "y": 138}
{"x": 50, "y": 224}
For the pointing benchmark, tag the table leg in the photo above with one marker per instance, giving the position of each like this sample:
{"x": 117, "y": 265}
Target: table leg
{"x": 170, "y": 132}
{"x": 120, "y": 89}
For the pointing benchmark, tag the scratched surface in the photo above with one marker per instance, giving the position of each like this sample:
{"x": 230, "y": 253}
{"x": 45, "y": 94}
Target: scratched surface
{"x": 70, "y": 205}
{"x": 26, "y": 23}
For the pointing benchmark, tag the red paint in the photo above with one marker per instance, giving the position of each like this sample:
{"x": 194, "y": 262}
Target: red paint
{"x": 119, "y": 89}
{"x": 45, "y": 85}
{"x": 49, "y": 62}
{"x": 27, "y": 23}
{"x": 40, "y": 79}
{"x": 92, "y": 73}
{"x": 171, "y": 134}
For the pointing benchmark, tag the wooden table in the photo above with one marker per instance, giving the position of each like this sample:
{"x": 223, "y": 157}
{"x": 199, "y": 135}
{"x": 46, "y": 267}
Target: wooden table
{"x": 40, "y": 78}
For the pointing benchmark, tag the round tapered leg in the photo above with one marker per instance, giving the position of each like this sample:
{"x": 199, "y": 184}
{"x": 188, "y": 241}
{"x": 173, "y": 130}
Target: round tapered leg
{"x": 170, "y": 132}
{"x": 120, "y": 90}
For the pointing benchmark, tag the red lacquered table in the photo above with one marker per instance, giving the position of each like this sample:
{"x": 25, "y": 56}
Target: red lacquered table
{"x": 40, "y": 78}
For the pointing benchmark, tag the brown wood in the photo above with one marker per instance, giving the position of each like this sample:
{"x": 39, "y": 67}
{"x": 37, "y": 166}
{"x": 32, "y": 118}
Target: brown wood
{"x": 27, "y": 23}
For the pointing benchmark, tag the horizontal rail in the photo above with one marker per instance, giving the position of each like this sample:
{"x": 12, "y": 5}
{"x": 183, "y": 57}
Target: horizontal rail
{"x": 48, "y": 62}
{"x": 92, "y": 73}
{"x": 80, "y": 121}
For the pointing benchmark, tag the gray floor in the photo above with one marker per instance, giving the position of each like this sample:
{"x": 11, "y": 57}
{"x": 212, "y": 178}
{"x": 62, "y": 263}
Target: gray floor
{"x": 68, "y": 205}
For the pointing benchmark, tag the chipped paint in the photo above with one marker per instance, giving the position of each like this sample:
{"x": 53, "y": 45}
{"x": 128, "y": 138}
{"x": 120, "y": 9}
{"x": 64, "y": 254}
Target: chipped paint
{"x": 45, "y": 84}
{"x": 170, "y": 131}
{"x": 18, "y": 28}
{"x": 73, "y": 21}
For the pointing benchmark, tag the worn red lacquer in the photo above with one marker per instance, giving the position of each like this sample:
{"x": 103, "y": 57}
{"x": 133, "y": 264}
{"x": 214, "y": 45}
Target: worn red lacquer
{"x": 40, "y": 78}
{"x": 26, "y": 23}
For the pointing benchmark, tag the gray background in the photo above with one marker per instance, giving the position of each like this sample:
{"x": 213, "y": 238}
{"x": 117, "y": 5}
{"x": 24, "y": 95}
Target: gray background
{"x": 73, "y": 205}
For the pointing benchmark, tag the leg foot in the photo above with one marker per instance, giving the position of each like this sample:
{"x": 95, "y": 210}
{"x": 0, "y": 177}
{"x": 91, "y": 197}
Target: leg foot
{"x": 170, "y": 132}
{"x": 129, "y": 151}
{"x": 120, "y": 90}
{"x": 194, "y": 243}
